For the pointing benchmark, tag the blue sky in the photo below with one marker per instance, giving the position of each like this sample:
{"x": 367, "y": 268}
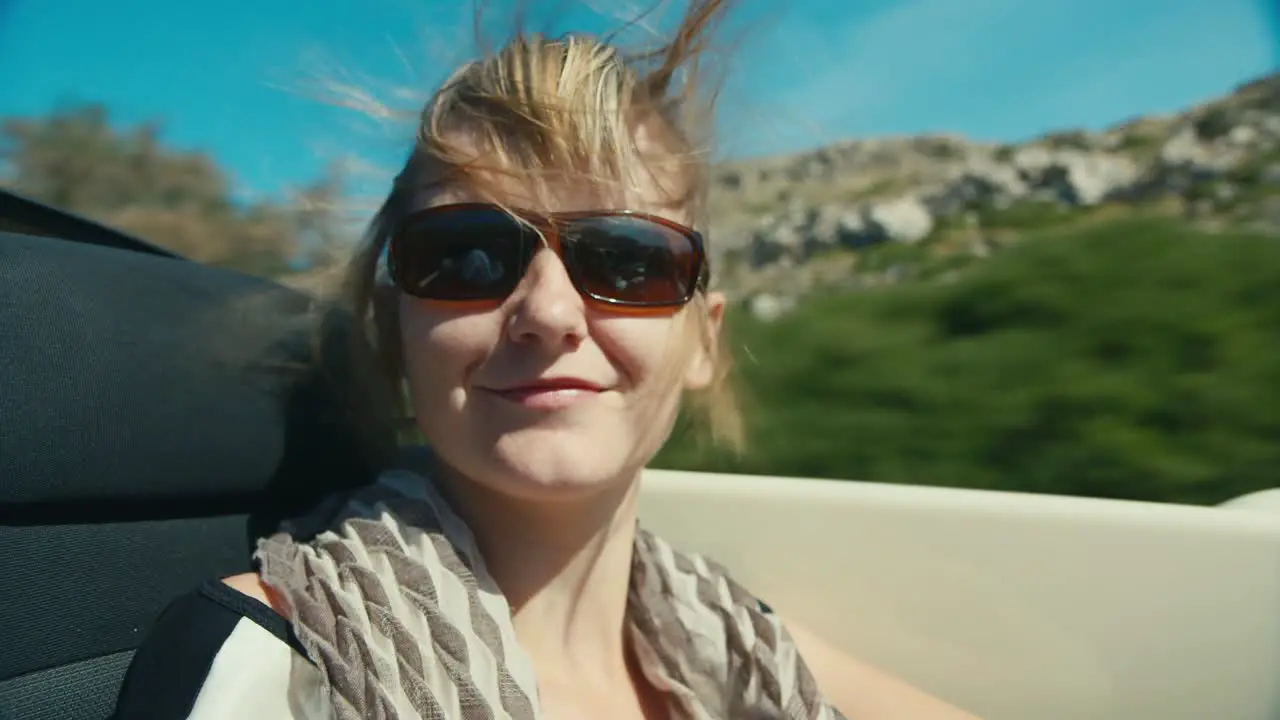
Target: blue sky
{"x": 231, "y": 76}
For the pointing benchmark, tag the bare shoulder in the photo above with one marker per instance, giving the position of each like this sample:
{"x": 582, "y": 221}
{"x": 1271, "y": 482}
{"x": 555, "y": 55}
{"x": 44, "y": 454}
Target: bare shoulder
{"x": 251, "y": 584}
{"x": 862, "y": 691}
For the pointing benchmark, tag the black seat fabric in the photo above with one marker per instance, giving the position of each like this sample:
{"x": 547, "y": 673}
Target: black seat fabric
{"x": 156, "y": 415}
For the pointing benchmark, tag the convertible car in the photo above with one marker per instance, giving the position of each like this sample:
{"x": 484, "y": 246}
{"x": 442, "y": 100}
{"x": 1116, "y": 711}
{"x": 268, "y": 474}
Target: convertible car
{"x": 157, "y": 414}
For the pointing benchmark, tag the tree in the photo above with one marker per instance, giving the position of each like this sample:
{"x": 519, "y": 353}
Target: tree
{"x": 77, "y": 160}
{"x": 318, "y": 218}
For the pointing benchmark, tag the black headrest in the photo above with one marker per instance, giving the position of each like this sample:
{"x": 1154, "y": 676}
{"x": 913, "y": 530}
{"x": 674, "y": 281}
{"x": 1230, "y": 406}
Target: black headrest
{"x": 23, "y": 215}
{"x": 133, "y": 382}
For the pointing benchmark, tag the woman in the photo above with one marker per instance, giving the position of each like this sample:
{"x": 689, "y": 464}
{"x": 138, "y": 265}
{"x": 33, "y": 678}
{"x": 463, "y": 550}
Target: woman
{"x": 538, "y": 282}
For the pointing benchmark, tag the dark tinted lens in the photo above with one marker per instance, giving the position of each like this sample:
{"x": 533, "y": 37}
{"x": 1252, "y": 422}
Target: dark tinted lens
{"x": 630, "y": 260}
{"x": 472, "y": 254}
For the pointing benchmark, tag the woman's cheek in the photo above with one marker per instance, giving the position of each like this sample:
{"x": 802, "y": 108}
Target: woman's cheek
{"x": 644, "y": 350}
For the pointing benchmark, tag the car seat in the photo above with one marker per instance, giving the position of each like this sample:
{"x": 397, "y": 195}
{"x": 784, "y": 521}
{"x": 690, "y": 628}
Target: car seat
{"x": 156, "y": 415}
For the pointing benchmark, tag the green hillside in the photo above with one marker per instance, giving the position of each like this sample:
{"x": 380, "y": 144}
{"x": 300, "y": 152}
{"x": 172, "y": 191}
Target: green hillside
{"x": 1131, "y": 358}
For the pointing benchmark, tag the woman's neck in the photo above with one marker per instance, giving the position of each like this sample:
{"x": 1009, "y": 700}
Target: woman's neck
{"x": 564, "y": 567}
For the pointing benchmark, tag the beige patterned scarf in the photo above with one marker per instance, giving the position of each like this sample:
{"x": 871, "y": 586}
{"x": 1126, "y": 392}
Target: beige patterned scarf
{"x": 394, "y": 606}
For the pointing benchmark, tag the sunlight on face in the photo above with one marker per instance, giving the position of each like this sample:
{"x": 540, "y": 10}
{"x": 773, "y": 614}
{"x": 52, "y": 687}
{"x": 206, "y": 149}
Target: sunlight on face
{"x": 546, "y": 395}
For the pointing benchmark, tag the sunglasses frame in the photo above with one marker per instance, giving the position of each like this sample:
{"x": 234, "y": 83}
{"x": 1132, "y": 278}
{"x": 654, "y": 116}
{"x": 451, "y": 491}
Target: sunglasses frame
{"x": 547, "y": 224}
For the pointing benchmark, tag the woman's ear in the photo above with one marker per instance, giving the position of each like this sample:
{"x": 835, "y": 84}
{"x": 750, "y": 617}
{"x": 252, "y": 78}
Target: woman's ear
{"x": 701, "y": 370}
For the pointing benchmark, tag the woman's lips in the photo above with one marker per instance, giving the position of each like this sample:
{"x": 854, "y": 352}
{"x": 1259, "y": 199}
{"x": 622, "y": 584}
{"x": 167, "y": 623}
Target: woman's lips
{"x": 552, "y": 394}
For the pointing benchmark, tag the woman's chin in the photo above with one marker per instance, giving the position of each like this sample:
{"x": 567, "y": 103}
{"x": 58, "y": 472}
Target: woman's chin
{"x": 543, "y": 466}
{"x": 564, "y": 456}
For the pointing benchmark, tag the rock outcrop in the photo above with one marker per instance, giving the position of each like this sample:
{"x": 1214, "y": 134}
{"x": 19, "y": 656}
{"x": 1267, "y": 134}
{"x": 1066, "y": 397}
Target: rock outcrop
{"x": 1218, "y": 160}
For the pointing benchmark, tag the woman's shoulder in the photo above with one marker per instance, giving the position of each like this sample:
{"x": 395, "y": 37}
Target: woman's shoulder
{"x": 220, "y": 643}
{"x": 656, "y": 555}
{"x": 250, "y": 584}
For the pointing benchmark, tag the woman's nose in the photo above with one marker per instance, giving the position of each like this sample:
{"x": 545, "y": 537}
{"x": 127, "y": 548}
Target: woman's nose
{"x": 548, "y": 309}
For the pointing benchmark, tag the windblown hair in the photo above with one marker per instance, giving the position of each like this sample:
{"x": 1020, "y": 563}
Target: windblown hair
{"x": 545, "y": 111}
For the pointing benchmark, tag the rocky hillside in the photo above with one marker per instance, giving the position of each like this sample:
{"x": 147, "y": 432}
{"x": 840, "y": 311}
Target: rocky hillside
{"x": 875, "y": 211}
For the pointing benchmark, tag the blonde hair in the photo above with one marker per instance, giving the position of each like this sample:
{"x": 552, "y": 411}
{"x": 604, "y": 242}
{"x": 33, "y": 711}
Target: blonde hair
{"x": 541, "y": 110}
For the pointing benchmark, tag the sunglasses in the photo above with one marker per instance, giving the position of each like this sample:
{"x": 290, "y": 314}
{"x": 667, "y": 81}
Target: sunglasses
{"x": 478, "y": 252}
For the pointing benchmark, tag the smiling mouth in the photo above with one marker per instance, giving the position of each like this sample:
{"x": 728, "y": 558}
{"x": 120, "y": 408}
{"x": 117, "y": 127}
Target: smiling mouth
{"x": 549, "y": 395}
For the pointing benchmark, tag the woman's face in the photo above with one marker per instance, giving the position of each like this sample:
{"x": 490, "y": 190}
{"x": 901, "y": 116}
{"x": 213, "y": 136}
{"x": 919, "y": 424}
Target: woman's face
{"x": 547, "y": 396}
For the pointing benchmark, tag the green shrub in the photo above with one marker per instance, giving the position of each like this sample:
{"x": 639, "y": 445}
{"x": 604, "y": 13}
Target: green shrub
{"x": 1025, "y": 215}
